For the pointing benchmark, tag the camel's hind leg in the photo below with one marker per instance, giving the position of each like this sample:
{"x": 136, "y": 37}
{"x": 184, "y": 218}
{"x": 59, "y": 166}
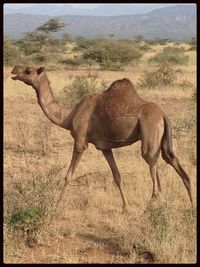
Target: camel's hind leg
{"x": 171, "y": 159}
{"x": 151, "y": 137}
{"x": 156, "y": 181}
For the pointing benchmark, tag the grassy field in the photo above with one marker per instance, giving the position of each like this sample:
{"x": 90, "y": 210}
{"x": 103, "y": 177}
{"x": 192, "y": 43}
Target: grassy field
{"x": 90, "y": 227}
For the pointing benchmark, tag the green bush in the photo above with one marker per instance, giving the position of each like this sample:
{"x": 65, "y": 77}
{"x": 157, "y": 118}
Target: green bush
{"x": 145, "y": 47}
{"x": 83, "y": 43}
{"x": 27, "y": 47}
{"x": 192, "y": 48}
{"x": 111, "y": 54}
{"x": 172, "y": 55}
{"x": 26, "y": 219}
{"x": 158, "y": 41}
{"x": 72, "y": 62}
{"x": 12, "y": 53}
{"x": 81, "y": 86}
{"x": 163, "y": 76}
{"x": 31, "y": 205}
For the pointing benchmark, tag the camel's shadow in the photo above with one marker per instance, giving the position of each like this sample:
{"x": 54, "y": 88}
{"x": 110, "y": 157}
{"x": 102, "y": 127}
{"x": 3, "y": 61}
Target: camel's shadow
{"x": 112, "y": 246}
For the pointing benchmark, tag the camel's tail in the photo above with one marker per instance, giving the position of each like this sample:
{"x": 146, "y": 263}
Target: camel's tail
{"x": 170, "y": 158}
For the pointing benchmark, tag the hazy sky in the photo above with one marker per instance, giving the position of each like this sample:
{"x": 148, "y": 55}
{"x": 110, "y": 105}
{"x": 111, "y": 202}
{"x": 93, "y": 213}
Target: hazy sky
{"x": 16, "y": 6}
{"x": 85, "y": 5}
{"x": 90, "y": 6}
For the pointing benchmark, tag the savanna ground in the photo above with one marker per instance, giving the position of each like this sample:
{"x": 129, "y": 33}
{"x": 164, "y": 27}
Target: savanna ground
{"x": 90, "y": 227}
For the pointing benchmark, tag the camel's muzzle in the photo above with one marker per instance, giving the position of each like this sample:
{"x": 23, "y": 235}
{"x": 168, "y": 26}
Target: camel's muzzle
{"x": 16, "y": 77}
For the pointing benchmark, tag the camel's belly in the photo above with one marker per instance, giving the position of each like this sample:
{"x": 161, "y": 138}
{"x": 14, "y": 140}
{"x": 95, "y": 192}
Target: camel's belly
{"x": 120, "y": 128}
{"x": 119, "y": 131}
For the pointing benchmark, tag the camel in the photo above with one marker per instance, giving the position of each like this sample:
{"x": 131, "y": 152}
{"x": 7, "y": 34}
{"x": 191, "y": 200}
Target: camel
{"x": 115, "y": 118}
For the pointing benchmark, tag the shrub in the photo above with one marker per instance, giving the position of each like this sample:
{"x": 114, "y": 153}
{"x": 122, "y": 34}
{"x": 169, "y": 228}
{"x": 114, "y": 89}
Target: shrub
{"x": 145, "y": 47}
{"x": 81, "y": 86}
{"x": 34, "y": 142}
{"x": 183, "y": 125}
{"x": 185, "y": 84}
{"x": 72, "y": 62}
{"x": 163, "y": 76}
{"x": 12, "y": 53}
{"x": 157, "y": 41}
{"x": 172, "y": 55}
{"x": 30, "y": 204}
{"x": 27, "y": 221}
{"x": 111, "y": 54}
{"x": 192, "y": 48}
{"x": 44, "y": 57}
{"x": 83, "y": 43}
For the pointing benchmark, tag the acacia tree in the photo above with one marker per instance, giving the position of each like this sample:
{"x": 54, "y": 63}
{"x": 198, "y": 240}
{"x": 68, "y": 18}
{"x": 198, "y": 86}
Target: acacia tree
{"x": 52, "y": 25}
{"x": 41, "y": 38}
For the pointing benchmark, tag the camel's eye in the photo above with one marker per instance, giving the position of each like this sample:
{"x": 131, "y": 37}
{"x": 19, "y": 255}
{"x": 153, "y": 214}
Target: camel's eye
{"x": 27, "y": 71}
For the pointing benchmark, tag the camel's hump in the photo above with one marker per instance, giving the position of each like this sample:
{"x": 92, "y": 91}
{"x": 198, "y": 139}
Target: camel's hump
{"x": 120, "y": 86}
{"x": 118, "y": 99}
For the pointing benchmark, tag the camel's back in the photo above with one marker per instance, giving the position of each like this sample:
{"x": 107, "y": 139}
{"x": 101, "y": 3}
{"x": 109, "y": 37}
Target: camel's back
{"x": 120, "y": 99}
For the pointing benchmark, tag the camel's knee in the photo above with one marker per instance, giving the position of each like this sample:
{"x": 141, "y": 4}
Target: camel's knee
{"x": 80, "y": 146}
{"x": 150, "y": 158}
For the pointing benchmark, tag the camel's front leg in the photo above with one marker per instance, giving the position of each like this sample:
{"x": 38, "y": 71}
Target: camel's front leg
{"x": 80, "y": 144}
{"x": 76, "y": 156}
{"x": 117, "y": 177}
{"x": 74, "y": 163}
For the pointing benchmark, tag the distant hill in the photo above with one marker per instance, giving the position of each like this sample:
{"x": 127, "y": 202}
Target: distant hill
{"x": 67, "y": 9}
{"x": 175, "y": 22}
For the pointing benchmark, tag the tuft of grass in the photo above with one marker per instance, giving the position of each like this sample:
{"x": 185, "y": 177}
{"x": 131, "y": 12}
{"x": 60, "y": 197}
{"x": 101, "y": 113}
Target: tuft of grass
{"x": 186, "y": 85}
{"x": 183, "y": 126}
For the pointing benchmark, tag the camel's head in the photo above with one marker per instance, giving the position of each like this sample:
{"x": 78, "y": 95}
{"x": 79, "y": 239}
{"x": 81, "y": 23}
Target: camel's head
{"x": 28, "y": 74}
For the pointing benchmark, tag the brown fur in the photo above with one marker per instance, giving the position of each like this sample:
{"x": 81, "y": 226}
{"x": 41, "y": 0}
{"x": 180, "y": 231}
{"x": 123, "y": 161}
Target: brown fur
{"x": 120, "y": 99}
{"x": 117, "y": 117}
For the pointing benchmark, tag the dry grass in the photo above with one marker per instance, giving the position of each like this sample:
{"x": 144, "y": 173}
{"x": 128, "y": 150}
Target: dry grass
{"x": 90, "y": 227}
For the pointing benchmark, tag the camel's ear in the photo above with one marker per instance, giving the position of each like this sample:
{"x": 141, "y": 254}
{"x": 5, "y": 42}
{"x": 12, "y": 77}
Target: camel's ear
{"x": 40, "y": 70}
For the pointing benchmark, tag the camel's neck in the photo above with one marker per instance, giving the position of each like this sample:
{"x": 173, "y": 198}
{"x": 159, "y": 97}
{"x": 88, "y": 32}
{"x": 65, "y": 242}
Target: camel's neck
{"x": 59, "y": 115}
